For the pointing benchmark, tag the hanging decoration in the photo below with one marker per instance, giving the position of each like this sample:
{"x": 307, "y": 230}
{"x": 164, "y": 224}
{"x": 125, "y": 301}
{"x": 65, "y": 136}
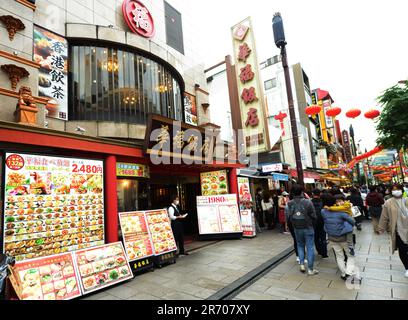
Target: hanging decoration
{"x": 333, "y": 112}
{"x": 353, "y": 113}
{"x": 372, "y": 114}
{"x": 281, "y": 117}
{"x": 313, "y": 110}
{"x": 364, "y": 156}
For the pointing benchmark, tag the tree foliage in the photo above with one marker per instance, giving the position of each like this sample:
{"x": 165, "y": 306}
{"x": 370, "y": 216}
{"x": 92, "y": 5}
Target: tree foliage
{"x": 392, "y": 125}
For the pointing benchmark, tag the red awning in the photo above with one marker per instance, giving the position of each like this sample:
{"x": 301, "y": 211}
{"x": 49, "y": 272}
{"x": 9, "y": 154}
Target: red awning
{"x": 307, "y": 174}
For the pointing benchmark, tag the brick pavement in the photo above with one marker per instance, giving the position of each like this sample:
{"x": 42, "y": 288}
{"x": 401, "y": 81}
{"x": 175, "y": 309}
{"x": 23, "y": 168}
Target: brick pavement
{"x": 382, "y": 273}
{"x": 201, "y": 274}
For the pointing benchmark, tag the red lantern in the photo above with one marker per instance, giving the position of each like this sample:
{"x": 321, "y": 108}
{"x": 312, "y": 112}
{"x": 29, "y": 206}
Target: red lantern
{"x": 333, "y": 112}
{"x": 313, "y": 110}
{"x": 372, "y": 114}
{"x": 353, "y": 113}
{"x": 280, "y": 117}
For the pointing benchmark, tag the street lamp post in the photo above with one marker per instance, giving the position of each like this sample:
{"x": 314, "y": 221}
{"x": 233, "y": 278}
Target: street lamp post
{"x": 280, "y": 41}
{"x": 355, "y": 153}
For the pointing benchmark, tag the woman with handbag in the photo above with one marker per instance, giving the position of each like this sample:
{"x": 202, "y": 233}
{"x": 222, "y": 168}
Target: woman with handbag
{"x": 267, "y": 208}
{"x": 375, "y": 202}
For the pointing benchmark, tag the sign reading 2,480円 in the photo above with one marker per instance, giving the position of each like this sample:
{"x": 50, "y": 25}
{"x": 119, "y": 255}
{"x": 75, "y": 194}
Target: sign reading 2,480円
{"x": 52, "y": 205}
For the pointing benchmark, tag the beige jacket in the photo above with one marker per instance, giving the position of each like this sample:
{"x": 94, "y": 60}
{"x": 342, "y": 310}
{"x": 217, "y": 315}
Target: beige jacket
{"x": 389, "y": 218}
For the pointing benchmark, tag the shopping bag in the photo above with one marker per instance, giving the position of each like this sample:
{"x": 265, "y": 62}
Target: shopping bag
{"x": 356, "y": 212}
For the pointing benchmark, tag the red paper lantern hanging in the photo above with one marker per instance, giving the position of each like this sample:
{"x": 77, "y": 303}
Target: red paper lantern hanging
{"x": 333, "y": 112}
{"x": 372, "y": 114}
{"x": 353, "y": 113}
{"x": 281, "y": 117}
{"x": 313, "y": 110}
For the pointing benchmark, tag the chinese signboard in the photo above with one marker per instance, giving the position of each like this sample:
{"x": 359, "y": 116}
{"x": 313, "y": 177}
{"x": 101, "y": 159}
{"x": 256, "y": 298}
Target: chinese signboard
{"x": 52, "y": 205}
{"x": 218, "y": 215}
{"x": 132, "y": 170}
{"x": 187, "y": 142}
{"x": 50, "y": 278}
{"x": 136, "y": 235}
{"x": 329, "y": 120}
{"x": 190, "y": 109}
{"x": 272, "y": 168}
{"x": 347, "y": 146}
{"x": 102, "y": 267}
{"x": 323, "y": 161}
{"x": 51, "y": 52}
{"x": 244, "y": 190}
{"x": 214, "y": 183}
{"x": 252, "y": 105}
{"x": 138, "y": 18}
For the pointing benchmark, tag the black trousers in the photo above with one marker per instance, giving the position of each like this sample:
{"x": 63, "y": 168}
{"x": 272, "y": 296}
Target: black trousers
{"x": 269, "y": 217}
{"x": 321, "y": 240}
{"x": 403, "y": 251}
{"x": 260, "y": 218}
{"x": 178, "y": 232}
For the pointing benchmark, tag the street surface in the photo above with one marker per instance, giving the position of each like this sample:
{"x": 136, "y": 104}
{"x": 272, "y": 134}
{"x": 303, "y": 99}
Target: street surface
{"x": 210, "y": 269}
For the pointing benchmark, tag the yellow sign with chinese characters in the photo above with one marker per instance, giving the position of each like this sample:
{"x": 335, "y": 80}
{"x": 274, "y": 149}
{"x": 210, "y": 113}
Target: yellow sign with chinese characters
{"x": 132, "y": 170}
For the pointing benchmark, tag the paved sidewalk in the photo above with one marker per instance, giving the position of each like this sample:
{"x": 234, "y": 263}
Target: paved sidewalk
{"x": 204, "y": 272}
{"x": 383, "y": 276}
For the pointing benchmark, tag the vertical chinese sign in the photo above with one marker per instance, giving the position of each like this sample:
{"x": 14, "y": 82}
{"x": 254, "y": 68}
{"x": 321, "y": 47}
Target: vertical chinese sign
{"x": 51, "y": 52}
{"x": 252, "y": 104}
{"x": 190, "y": 109}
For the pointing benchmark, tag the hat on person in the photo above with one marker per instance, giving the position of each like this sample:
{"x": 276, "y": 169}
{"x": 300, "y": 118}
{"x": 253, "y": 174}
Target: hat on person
{"x": 285, "y": 194}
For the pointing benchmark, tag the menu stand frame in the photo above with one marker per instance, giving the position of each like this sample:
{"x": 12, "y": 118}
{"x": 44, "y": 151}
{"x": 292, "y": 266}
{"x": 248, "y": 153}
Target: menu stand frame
{"x": 165, "y": 259}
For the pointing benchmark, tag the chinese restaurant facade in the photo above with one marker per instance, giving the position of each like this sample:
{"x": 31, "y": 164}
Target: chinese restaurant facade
{"x": 75, "y": 117}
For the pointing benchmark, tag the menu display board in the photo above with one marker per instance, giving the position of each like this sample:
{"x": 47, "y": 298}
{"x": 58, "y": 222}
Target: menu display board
{"x": 132, "y": 170}
{"x": 52, "y": 205}
{"x": 248, "y": 223}
{"x": 214, "y": 183}
{"x": 163, "y": 240}
{"x": 136, "y": 235}
{"x": 218, "y": 214}
{"x": 244, "y": 190}
{"x": 50, "y": 278}
{"x": 102, "y": 267}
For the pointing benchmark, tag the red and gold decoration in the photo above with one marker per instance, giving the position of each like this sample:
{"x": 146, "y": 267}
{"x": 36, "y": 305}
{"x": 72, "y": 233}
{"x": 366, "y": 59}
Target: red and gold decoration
{"x": 333, "y": 112}
{"x": 26, "y": 111}
{"x": 364, "y": 156}
{"x": 281, "y": 117}
{"x": 353, "y": 113}
{"x": 313, "y": 110}
{"x": 138, "y": 18}
{"x": 372, "y": 114}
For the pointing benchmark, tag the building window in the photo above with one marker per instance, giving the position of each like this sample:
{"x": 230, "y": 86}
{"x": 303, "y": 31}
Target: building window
{"x": 270, "y": 84}
{"x": 174, "y": 28}
{"x": 108, "y": 84}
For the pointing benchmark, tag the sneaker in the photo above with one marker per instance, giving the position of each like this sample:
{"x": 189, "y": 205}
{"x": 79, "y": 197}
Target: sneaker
{"x": 345, "y": 277}
{"x": 325, "y": 257}
{"x": 302, "y": 268}
{"x": 298, "y": 260}
{"x": 406, "y": 274}
{"x": 286, "y": 232}
{"x": 312, "y": 272}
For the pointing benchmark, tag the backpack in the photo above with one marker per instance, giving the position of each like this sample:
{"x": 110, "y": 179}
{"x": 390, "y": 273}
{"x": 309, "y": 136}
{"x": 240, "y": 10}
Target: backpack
{"x": 297, "y": 215}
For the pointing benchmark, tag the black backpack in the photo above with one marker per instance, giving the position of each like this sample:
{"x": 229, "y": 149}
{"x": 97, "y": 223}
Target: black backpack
{"x": 297, "y": 215}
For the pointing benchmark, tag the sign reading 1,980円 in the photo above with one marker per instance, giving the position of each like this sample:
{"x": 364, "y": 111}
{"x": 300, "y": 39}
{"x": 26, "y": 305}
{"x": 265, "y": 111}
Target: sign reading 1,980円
{"x": 52, "y": 205}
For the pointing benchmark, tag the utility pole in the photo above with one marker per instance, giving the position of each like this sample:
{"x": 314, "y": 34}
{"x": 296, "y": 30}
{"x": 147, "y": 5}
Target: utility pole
{"x": 355, "y": 152}
{"x": 280, "y": 41}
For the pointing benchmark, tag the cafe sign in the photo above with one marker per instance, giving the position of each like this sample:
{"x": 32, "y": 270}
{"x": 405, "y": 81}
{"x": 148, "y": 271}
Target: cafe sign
{"x": 132, "y": 170}
{"x": 251, "y": 96}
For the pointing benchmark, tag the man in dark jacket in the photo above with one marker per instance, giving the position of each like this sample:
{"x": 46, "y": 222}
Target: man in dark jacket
{"x": 301, "y": 214}
{"x": 259, "y": 211}
{"x": 357, "y": 201}
{"x": 375, "y": 202}
{"x": 320, "y": 234}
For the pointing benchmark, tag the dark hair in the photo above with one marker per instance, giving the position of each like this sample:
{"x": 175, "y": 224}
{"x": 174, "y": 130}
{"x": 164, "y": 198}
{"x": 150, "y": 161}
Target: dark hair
{"x": 266, "y": 196}
{"x": 258, "y": 189}
{"x": 329, "y": 201}
{"x": 317, "y": 192}
{"x": 354, "y": 191}
{"x": 399, "y": 187}
{"x": 297, "y": 190}
{"x": 174, "y": 197}
{"x": 340, "y": 197}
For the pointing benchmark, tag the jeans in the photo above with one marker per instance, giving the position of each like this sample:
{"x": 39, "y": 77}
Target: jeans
{"x": 305, "y": 237}
{"x": 321, "y": 240}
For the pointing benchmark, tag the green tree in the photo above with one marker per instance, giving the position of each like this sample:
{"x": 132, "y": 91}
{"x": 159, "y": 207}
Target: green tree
{"x": 392, "y": 126}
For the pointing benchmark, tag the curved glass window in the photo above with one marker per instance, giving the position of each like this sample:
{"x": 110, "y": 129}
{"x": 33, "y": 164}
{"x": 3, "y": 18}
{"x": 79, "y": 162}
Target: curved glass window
{"x": 109, "y": 84}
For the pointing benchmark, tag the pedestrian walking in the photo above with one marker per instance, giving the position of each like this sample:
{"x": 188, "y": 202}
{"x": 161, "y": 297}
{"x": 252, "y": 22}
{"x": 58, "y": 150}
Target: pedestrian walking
{"x": 259, "y": 212}
{"x": 283, "y": 201}
{"x": 357, "y": 201}
{"x": 320, "y": 234}
{"x": 267, "y": 208}
{"x": 375, "y": 202}
{"x": 339, "y": 226}
{"x": 302, "y": 216}
{"x": 395, "y": 218}
{"x": 176, "y": 224}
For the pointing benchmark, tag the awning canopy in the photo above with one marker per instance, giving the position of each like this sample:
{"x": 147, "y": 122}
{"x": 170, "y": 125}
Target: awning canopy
{"x": 307, "y": 174}
{"x": 255, "y": 174}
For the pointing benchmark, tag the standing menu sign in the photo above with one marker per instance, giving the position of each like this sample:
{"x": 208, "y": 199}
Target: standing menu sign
{"x": 218, "y": 215}
{"x": 214, "y": 183}
{"x": 248, "y": 223}
{"x": 163, "y": 240}
{"x": 50, "y": 278}
{"x": 102, "y": 267}
{"x": 244, "y": 190}
{"x": 136, "y": 235}
{"x": 51, "y": 52}
{"x": 52, "y": 205}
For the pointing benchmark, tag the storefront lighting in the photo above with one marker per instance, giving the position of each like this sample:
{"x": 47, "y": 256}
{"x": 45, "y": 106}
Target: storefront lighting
{"x": 125, "y": 183}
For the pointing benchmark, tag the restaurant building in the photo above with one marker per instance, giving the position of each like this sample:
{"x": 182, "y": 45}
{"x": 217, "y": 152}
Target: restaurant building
{"x": 80, "y": 81}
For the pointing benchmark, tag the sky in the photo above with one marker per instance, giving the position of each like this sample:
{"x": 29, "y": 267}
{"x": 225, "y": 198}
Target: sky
{"x": 353, "y": 49}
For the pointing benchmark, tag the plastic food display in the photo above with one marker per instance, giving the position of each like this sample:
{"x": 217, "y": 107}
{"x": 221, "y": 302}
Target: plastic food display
{"x": 214, "y": 183}
{"x": 158, "y": 222}
{"x": 52, "y": 205}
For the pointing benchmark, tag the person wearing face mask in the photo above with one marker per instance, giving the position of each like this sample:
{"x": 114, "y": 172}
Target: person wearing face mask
{"x": 395, "y": 217}
{"x": 176, "y": 224}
